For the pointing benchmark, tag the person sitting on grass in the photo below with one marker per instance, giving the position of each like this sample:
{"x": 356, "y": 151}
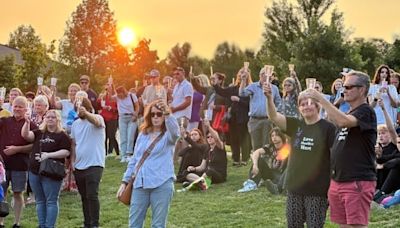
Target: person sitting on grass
{"x": 269, "y": 163}
{"x": 192, "y": 155}
{"x": 213, "y": 168}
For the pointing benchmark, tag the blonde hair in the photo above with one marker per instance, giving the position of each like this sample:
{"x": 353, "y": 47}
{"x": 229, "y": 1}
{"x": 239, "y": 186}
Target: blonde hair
{"x": 59, "y": 128}
{"x": 382, "y": 127}
{"x": 304, "y": 95}
{"x": 333, "y": 90}
{"x": 21, "y": 99}
{"x": 294, "y": 84}
{"x": 74, "y": 85}
{"x": 203, "y": 79}
{"x": 238, "y": 77}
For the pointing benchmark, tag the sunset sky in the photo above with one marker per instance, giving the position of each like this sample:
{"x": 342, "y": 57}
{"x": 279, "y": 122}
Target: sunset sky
{"x": 204, "y": 23}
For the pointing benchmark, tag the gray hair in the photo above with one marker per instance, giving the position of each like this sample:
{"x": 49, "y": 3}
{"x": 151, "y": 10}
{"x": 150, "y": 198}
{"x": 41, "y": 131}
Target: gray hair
{"x": 362, "y": 79}
{"x": 41, "y": 99}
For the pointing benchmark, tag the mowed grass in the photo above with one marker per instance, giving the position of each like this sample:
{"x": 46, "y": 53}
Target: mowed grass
{"x": 220, "y": 206}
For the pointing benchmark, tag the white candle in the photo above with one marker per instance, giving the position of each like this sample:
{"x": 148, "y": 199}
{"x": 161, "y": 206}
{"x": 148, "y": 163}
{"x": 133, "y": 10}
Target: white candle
{"x": 53, "y": 81}
{"x": 211, "y": 71}
{"x": 39, "y": 81}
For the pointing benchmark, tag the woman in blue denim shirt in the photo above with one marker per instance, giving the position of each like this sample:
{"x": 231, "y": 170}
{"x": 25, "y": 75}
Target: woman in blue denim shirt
{"x": 154, "y": 185}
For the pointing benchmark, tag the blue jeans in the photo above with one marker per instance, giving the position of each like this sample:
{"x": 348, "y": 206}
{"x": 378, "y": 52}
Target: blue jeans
{"x": 47, "y": 192}
{"x": 127, "y": 130}
{"x": 158, "y": 198}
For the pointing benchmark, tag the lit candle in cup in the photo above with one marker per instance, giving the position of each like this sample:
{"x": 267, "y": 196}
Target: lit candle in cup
{"x": 182, "y": 122}
{"x": 291, "y": 67}
{"x": 78, "y": 102}
{"x": 205, "y": 114}
{"x": 29, "y": 108}
{"x": 3, "y": 91}
{"x": 246, "y": 65}
{"x": 158, "y": 91}
{"x": 169, "y": 83}
{"x": 310, "y": 83}
{"x": 39, "y": 81}
{"x": 53, "y": 81}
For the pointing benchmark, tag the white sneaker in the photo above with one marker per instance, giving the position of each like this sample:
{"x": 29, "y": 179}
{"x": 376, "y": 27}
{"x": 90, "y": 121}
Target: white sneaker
{"x": 249, "y": 185}
{"x": 123, "y": 159}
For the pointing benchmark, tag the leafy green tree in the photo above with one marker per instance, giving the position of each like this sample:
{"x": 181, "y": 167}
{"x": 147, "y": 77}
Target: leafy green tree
{"x": 229, "y": 58}
{"x": 392, "y": 57}
{"x": 8, "y": 70}
{"x": 34, "y": 54}
{"x": 143, "y": 60}
{"x": 296, "y": 33}
{"x": 371, "y": 54}
{"x": 90, "y": 42}
{"x": 179, "y": 56}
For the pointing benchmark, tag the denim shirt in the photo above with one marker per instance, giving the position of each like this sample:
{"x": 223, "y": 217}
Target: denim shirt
{"x": 159, "y": 166}
{"x": 258, "y": 101}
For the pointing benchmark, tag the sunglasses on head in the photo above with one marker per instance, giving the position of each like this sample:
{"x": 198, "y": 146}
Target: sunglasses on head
{"x": 154, "y": 114}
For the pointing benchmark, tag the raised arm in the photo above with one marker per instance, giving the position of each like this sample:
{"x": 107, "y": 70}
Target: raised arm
{"x": 335, "y": 115}
{"x": 26, "y": 133}
{"x": 389, "y": 123}
{"x": 274, "y": 116}
{"x": 92, "y": 118}
{"x": 214, "y": 134}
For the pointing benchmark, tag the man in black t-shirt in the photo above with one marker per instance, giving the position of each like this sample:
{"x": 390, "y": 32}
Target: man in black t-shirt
{"x": 353, "y": 174}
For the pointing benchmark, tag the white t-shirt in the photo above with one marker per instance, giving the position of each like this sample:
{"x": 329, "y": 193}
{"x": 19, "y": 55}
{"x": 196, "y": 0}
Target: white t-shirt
{"x": 380, "y": 118}
{"x": 89, "y": 140}
{"x": 125, "y": 106}
{"x": 67, "y": 106}
{"x": 150, "y": 94}
{"x": 182, "y": 90}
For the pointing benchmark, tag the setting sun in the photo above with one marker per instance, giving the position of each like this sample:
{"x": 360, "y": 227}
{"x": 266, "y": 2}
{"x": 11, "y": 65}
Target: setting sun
{"x": 126, "y": 36}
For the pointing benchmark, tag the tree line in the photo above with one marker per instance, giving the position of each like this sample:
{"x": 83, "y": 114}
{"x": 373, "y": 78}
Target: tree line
{"x": 293, "y": 33}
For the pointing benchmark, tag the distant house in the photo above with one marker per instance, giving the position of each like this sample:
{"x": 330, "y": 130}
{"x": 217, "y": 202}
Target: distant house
{"x": 7, "y": 51}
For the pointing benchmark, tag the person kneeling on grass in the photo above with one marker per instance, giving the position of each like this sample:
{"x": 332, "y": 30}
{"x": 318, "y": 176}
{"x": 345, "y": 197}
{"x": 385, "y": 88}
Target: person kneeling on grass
{"x": 269, "y": 163}
{"x": 214, "y": 164}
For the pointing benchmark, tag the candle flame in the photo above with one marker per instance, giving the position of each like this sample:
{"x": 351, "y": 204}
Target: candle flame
{"x": 284, "y": 152}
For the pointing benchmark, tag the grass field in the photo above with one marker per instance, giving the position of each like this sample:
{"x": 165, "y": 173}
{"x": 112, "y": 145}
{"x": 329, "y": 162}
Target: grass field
{"x": 220, "y": 206}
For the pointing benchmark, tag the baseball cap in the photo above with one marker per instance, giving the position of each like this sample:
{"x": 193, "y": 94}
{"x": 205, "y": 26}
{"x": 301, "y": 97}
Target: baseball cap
{"x": 154, "y": 73}
{"x": 84, "y": 77}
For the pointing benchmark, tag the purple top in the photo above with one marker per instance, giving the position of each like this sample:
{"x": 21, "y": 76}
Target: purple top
{"x": 196, "y": 103}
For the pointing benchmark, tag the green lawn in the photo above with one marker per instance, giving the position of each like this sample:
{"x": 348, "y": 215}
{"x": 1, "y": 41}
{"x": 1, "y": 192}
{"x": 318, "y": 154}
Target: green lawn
{"x": 220, "y": 206}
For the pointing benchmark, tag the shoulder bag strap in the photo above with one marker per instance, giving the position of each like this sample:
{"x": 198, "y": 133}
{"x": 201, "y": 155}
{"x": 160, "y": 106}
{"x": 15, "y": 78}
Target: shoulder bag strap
{"x": 147, "y": 153}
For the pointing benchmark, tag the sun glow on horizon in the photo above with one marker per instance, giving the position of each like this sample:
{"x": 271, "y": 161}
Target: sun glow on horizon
{"x": 126, "y": 36}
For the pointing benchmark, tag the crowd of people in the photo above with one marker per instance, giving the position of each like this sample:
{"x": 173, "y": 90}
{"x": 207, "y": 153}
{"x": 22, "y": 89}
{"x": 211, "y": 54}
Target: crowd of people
{"x": 338, "y": 150}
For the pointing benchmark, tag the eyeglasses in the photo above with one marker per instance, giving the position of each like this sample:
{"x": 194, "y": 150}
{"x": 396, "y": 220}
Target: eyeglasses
{"x": 154, "y": 114}
{"x": 349, "y": 87}
{"x": 209, "y": 136}
{"x": 84, "y": 83}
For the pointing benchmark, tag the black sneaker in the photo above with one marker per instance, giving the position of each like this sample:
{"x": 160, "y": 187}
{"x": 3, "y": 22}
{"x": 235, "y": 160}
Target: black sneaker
{"x": 272, "y": 188}
{"x": 16, "y": 226}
